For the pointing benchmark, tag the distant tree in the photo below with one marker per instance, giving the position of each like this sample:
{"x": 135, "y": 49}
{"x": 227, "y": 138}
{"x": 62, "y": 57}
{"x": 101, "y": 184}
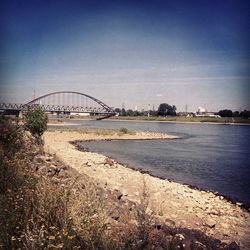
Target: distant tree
{"x": 36, "y": 122}
{"x": 236, "y": 114}
{"x": 226, "y": 113}
{"x": 137, "y": 113}
{"x": 153, "y": 113}
{"x": 245, "y": 114}
{"x": 123, "y": 112}
{"x": 166, "y": 109}
{"x": 117, "y": 110}
{"x": 130, "y": 112}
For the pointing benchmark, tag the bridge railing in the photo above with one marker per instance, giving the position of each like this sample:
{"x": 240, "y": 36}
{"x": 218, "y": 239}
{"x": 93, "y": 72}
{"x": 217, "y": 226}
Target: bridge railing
{"x": 55, "y": 108}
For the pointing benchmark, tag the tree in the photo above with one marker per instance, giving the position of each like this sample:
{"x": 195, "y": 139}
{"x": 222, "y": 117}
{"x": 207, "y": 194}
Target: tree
{"x": 117, "y": 110}
{"x": 36, "y": 122}
{"x": 130, "y": 112}
{"x": 236, "y": 114}
{"x": 166, "y": 109}
{"x": 123, "y": 112}
{"x": 225, "y": 113}
{"x": 245, "y": 114}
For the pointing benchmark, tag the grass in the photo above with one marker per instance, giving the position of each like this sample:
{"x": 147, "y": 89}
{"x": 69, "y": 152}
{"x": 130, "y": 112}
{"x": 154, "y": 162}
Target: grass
{"x": 96, "y": 131}
{"x": 185, "y": 119}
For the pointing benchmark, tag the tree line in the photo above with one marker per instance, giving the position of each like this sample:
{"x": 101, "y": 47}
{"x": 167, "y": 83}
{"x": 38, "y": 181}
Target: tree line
{"x": 166, "y": 109}
{"x": 230, "y": 113}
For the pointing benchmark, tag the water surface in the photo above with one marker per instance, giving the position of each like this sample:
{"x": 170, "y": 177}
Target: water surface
{"x": 211, "y": 157}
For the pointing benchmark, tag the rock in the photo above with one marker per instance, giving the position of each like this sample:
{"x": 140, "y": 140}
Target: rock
{"x": 53, "y": 170}
{"x": 88, "y": 164}
{"x": 109, "y": 161}
{"x": 48, "y": 159}
{"x": 178, "y": 241}
{"x": 210, "y": 223}
{"x": 180, "y": 236}
{"x": 214, "y": 212}
{"x": 233, "y": 246}
{"x": 198, "y": 245}
{"x": 119, "y": 196}
{"x": 115, "y": 217}
{"x": 158, "y": 226}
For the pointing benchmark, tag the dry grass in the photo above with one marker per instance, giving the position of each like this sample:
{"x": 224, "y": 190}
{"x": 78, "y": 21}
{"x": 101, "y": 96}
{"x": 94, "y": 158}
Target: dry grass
{"x": 96, "y": 131}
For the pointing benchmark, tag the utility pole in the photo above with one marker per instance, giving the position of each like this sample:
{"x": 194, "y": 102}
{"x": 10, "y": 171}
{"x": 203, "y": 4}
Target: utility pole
{"x": 148, "y": 110}
{"x": 186, "y": 108}
{"x": 34, "y": 94}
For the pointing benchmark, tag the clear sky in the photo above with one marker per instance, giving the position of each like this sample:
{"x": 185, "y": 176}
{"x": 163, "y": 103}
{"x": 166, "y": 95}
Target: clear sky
{"x": 132, "y": 52}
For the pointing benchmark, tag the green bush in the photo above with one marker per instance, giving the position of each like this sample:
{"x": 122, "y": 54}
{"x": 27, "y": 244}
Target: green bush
{"x": 11, "y": 136}
{"x": 124, "y": 130}
{"x": 36, "y": 122}
{"x": 11, "y": 143}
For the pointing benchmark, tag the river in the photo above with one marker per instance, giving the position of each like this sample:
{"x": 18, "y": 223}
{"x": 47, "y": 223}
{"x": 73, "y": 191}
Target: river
{"x": 211, "y": 157}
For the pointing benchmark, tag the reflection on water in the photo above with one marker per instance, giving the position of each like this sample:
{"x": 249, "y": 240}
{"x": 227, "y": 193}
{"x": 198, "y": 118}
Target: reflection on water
{"x": 213, "y": 157}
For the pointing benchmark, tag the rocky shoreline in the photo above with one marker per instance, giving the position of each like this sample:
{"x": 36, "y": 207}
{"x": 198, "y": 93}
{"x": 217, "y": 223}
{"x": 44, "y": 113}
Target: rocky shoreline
{"x": 172, "y": 203}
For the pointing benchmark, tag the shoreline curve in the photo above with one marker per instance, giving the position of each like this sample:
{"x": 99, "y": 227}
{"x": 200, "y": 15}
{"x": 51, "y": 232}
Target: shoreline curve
{"x": 169, "y": 201}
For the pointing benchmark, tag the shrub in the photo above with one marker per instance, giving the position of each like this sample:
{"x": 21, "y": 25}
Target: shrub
{"x": 124, "y": 130}
{"x": 11, "y": 136}
{"x": 36, "y": 122}
{"x": 11, "y": 142}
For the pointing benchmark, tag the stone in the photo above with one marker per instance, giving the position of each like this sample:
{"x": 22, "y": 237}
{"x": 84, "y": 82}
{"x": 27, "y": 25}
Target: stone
{"x": 198, "y": 245}
{"x": 158, "y": 226}
{"x": 119, "y": 196}
{"x": 210, "y": 223}
{"x": 88, "y": 164}
{"x": 48, "y": 159}
{"x": 109, "y": 161}
{"x": 53, "y": 170}
{"x": 180, "y": 236}
{"x": 233, "y": 246}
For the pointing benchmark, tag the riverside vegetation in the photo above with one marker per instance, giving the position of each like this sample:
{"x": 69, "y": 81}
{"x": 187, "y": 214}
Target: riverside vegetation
{"x": 46, "y": 204}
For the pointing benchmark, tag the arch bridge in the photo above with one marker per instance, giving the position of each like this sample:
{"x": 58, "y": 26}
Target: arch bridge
{"x": 64, "y": 102}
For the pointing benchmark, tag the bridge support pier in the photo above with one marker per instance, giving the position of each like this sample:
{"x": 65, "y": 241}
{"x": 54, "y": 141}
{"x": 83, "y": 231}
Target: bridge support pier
{"x": 20, "y": 114}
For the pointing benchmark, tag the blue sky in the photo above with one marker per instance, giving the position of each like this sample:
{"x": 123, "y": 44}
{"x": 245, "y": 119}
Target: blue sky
{"x": 133, "y": 52}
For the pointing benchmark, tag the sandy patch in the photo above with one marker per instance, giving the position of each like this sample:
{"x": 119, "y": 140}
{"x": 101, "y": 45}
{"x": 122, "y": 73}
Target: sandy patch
{"x": 63, "y": 124}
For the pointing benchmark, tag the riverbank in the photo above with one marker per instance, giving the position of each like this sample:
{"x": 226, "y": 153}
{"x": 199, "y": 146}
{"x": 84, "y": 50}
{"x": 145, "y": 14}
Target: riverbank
{"x": 200, "y": 121}
{"x": 173, "y": 203}
{"x": 185, "y": 120}
{"x": 46, "y": 203}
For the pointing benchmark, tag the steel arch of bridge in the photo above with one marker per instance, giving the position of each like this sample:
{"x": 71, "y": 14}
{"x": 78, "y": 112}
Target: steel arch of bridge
{"x": 102, "y": 108}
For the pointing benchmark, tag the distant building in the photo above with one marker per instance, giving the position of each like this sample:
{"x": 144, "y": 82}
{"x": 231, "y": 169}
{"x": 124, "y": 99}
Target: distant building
{"x": 185, "y": 114}
{"x": 202, "y": 112}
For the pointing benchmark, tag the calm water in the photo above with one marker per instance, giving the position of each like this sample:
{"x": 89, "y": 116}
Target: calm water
{"x": 212, "y": 157}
